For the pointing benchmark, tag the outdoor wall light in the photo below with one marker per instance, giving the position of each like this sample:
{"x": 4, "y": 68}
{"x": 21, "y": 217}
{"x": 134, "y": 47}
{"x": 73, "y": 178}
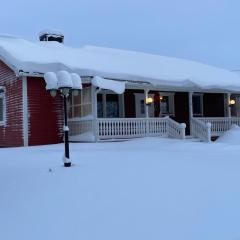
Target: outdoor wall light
{"x": 64, "y": 82}
{"x": 149, "y": 100}
{"x": 232, "y": 102}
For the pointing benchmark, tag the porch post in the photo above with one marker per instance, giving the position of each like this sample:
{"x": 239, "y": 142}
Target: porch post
{"x": 146, "y": 111}
{"x": 190, "y": 94}
{"x": 94, "y": 111}
{"x": 228, "y": 106}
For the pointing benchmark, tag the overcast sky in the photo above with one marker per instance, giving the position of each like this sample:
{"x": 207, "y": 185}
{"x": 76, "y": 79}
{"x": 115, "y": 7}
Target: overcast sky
{"x": 203, "y": 30}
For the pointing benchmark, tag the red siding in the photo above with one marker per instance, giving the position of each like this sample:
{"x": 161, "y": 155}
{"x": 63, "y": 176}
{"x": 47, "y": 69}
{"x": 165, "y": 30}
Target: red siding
{"x": 11, "y": 133}
{"x": 45, "y": 114}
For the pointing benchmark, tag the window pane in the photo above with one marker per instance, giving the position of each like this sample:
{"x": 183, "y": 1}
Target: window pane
{"x": 197, "y": 106}
{"x": 164, "y": 104}
{"x": 86, "y": 95}
{"x": 77, "y": 99}
{"x": 100, "y": 105}
{"x": 70, "y": 112}
{"x": 1, "y": 109}
{"x": 112, "y": 109}
{"x": 77, "y": 111}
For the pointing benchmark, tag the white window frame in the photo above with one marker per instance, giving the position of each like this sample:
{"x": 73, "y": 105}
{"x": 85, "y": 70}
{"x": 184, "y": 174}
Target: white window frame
{"x": 201, "y": 102}
{"x": 81, "y": 105}
{"x": 120, "y": 102}
{"x": 3, "y": 96}
{"x": 170, "y": 96}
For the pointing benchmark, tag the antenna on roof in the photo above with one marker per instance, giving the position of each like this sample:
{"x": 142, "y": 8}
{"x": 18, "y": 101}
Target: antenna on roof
{"x": 49, "y": 35}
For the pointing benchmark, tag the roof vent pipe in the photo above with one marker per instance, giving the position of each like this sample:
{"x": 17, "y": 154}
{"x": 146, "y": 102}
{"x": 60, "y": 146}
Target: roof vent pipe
{"x": 51, "y": 36}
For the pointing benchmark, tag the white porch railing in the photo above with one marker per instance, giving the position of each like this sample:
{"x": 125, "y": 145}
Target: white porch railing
{"x": 122, "y": 128}
{"x": 139, "y": 127}
{"x": 219, "y": 124}
{"x": 201, "y": 130}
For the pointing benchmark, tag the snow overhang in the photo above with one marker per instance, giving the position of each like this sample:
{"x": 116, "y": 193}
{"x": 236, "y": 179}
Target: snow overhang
{"x": 115, "y": 86}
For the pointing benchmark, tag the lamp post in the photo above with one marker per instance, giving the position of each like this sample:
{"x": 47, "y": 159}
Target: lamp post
{"x": 66, "y": 83}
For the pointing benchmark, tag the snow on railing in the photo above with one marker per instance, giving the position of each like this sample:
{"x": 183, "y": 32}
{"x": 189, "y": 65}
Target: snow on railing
{"x": 113, "y": 128}
{"x": 175, "y": 129}
{"x": 220, "y": 124}
{"x": 139, "y": 127}
{"x": 201, "y": 129}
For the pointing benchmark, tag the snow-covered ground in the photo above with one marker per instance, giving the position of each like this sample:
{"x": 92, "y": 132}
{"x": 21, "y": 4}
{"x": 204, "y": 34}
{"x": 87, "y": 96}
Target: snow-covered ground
{"x": 143, "y": 189}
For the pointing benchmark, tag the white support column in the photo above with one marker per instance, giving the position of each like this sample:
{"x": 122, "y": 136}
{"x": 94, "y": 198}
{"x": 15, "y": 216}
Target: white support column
{"x": 146, "y": 106}
{"x": 146, "y": 111}
{"x": 94, "y": 111}
{"x": 228, "y": 106}
{"x": 25, "y": 111}
{"x": 190, "y": 94}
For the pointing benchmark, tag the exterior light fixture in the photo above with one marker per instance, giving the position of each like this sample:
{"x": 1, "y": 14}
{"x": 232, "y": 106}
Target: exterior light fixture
{"x": 64, "y": 82}
{"x": 149, "y": 100}
{"x": 161, "y": 98}
{"x": 232, "y": 102}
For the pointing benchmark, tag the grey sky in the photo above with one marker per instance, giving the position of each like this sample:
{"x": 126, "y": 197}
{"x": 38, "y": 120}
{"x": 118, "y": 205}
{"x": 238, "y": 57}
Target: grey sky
{"x": 203, "y": 30}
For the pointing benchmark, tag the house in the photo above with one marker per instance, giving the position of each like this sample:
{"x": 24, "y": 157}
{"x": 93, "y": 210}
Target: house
{"x": 125, "y": 94}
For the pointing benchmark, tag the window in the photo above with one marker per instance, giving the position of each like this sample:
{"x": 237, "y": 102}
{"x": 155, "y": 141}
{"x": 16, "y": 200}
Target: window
{"x": 197, "y": 104}
{"x": 81, "y": 105}
{"x": 112, "y": 109}
{"x": 2, "y": 107}
{"x": 109, "y": 104}
{"x": 166, "y": 104}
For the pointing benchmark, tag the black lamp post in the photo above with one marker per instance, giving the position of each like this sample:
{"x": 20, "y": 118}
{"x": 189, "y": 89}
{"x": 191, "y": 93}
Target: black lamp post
{"x": 65, "y": 83}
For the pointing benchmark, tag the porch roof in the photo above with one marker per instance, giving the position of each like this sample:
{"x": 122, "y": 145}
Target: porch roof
{"x": 40, "y": 57}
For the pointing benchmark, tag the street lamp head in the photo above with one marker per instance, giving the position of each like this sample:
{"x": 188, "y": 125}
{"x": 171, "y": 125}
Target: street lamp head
{"x": 51, "y": 80}
{"x": 64, "y": 81}
{"x": 53, "y": 92}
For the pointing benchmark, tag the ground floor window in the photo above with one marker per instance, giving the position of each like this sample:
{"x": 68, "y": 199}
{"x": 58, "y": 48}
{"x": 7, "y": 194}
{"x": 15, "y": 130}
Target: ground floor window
{"x": 109, "y": 105}
{"x": 80, "y": 105}
{"x": 197, "y": 104}
{"x": 2, "y": 107}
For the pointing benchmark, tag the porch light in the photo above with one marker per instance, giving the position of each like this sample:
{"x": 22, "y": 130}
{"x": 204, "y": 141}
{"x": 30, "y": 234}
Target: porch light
{"x": 232, "y": 102}
{"x": 161, "y": 98}
{"x": 64, "y": 82}
{"x": 149, "y": 100}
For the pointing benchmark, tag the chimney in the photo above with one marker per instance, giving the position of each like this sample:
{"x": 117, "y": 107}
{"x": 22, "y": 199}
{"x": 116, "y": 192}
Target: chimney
{"x": 51, "y": 36}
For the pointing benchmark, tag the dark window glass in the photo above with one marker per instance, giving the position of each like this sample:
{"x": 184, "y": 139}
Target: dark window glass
{"x": 112, "y": 109}
{"x": 100, "y": 105}
{"x": 197, "y": 105}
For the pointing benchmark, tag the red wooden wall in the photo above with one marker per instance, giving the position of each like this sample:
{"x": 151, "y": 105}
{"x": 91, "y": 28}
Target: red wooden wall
{"x": 11, "y": 134}
{"x": 45, "y": 114}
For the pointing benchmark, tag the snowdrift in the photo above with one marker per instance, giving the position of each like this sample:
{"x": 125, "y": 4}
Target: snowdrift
{"x": 231, "y": 136}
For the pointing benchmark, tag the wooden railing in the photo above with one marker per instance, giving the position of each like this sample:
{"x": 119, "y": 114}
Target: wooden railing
{"x": 219, "y": 125}
{"x": 139, "y": 127}
{"x": 122, "y": 128}
{"x": 175, "y": 129}
{"x": 201, "y": 130}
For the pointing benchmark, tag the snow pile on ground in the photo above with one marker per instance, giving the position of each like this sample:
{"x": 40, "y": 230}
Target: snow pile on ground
{"x": 231, "y": 136}
{"x": 41, "y": 57}
{"x": 142, "y": 189}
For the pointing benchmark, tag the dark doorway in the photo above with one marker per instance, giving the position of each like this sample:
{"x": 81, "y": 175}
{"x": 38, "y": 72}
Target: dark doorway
{"x": 182, "y": 109}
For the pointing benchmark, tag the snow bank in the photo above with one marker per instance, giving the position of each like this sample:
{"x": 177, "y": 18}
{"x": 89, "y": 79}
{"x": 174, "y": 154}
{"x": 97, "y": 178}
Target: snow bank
{"x": 145, "y": 189}
{"x": 35, "y": 57}
{"x": 231, "y": 136}
{"x": 115, "y": 86}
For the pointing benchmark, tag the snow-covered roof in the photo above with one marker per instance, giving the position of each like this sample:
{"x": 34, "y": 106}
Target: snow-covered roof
{"x": 42, "y": 57}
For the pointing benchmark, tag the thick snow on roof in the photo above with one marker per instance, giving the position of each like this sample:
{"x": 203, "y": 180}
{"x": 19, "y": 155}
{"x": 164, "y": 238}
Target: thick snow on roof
{"x": 116, "y": 64}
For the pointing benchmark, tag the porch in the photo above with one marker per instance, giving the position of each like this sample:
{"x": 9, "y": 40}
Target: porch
{"x": 104, "y": 115}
